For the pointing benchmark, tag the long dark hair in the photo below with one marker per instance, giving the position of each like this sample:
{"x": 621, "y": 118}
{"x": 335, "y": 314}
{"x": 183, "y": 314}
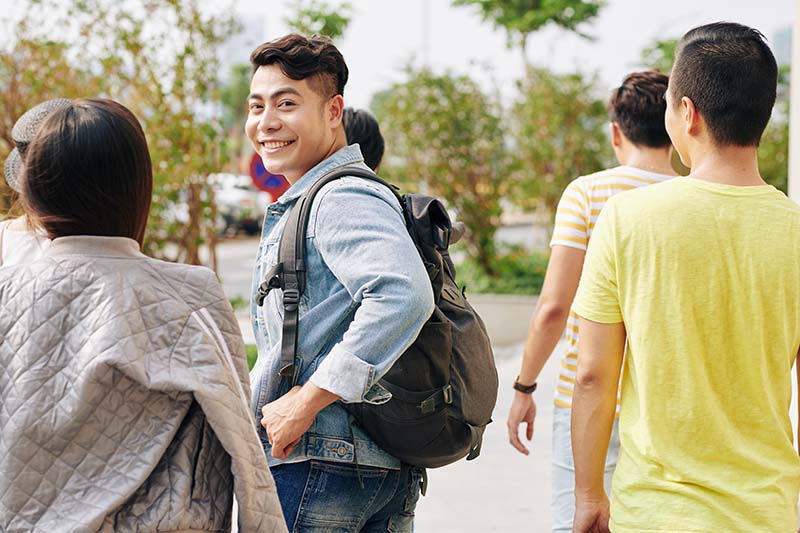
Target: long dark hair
{"x": 88, "y": 172}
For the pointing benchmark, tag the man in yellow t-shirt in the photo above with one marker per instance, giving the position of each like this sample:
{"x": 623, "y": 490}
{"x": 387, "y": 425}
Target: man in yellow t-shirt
{"x": 697, "y": 280}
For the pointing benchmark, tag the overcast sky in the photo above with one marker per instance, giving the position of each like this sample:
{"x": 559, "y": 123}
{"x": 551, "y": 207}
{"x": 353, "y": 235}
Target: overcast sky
{"x": 387, "y": 34}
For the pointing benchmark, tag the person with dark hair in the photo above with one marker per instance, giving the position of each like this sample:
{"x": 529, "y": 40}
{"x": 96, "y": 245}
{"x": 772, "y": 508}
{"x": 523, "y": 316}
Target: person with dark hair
{"x": 367, "y": 297}
{"x": 124, "y": 392}
{"x": 696, "y": 282}
{"x": 19, "y": 241}
{"x": 361, "y": 128}
{"x": 642, "y": 147}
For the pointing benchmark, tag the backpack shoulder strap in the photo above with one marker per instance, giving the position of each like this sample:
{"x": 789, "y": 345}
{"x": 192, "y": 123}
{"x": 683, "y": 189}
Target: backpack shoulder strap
{"x": 291, "y": 260}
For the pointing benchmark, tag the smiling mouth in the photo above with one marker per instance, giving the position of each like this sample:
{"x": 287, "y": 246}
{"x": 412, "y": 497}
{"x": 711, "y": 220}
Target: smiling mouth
{"x": 275, "y": 145}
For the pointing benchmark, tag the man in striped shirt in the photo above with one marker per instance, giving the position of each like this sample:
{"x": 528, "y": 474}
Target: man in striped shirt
{"x": 642, "y": 147}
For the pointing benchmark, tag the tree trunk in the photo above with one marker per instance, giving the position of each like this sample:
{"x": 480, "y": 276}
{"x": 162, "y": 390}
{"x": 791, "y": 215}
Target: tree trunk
{"x": 523, "y": 45}
{"x": 191, "y": 239}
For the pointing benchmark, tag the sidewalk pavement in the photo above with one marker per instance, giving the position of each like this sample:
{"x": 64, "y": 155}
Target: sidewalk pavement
{"x": 502, "y": 490}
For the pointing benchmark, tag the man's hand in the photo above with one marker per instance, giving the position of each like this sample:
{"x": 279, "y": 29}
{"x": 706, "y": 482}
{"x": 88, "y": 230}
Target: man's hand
{"x": 591, "y": 515}
{"x": 288, "y": 418}
{"x": 523, "y": 409}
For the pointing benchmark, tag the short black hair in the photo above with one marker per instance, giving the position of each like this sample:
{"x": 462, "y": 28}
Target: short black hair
{"x": 362, "y": 128}
{"x": 728, "y": 71}
{"x": 638, "y": 106}
{"x": 88, "y": 172}
{"x": 313, "y": 58}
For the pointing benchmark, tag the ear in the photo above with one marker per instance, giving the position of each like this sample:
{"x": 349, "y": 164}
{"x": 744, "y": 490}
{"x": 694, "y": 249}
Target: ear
{"x": 616, "y": 135}
{"x": 691, "y": 118}
{"x": 334, "y": 111}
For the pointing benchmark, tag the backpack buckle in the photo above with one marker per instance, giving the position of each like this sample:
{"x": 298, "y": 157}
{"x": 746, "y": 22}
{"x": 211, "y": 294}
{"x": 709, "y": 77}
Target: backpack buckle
{"x": 290, "y": 299}
{"x": 272, "y": 280}
{"x": 428, "y": 405}
{"x": 448, "y": 394}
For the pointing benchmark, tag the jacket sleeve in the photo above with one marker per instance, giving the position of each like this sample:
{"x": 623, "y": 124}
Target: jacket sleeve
{"x": 372, "y": 255}
{"x": 209, "y": 361}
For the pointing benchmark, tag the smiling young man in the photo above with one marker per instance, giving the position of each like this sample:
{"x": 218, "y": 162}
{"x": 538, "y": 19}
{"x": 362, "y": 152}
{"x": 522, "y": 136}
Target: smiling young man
{"x": 367, "y": 296}
{"x": 696, "y": 280}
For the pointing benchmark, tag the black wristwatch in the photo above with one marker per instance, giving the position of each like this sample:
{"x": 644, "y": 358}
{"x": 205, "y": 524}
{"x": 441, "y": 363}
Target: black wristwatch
{"x": 527, "y": 389}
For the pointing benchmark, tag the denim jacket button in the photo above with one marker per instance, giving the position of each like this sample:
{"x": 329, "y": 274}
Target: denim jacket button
{"x": 342, "y": 451}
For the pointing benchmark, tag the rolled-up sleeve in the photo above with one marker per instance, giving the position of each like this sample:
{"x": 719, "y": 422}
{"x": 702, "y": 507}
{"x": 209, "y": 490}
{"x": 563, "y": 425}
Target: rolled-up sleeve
{"x": 362, "y": 238}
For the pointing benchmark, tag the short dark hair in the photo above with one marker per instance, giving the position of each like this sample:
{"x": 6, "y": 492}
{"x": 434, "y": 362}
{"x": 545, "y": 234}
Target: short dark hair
{"x": 313, "y": 58}
{"x": 638, "y": 106}
{"x": 362, "y": 128}
{"x": 729, "y": 73}
{"x": 88, "y": 172}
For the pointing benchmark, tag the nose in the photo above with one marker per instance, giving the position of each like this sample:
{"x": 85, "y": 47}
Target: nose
{"x": 269, "y": 120}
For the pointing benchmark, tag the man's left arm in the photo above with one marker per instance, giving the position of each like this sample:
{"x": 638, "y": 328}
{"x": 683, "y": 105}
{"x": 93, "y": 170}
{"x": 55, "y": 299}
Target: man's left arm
{"x": 600, "y": 351}
{"x": 594, "y": 403}
{"x": 363, "y": 240}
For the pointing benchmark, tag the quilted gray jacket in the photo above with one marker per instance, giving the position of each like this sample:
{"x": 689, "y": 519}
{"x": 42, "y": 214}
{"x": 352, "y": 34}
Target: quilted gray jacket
{"x": 124, "y": 398}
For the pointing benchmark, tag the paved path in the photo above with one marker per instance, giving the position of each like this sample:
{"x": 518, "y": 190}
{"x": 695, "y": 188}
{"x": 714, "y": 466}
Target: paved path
{"x": 502, "y": 490}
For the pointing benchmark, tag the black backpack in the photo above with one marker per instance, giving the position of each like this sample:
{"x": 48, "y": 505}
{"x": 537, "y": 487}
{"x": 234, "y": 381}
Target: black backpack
{"x": 444, "y": 386}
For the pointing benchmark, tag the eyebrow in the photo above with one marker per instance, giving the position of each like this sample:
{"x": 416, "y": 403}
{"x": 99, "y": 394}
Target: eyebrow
{"x": 275, "y": 94}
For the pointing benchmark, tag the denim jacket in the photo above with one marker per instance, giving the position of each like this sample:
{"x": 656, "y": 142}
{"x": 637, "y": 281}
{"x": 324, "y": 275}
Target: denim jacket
{"x": 367, "y": 297}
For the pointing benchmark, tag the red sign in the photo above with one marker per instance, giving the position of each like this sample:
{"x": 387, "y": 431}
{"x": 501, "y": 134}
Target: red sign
{"x": 274, "y": 184}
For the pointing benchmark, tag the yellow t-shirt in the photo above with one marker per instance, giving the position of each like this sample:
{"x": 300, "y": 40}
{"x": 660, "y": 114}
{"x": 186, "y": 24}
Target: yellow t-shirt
{"x": 706, "y": 278}
{"x": 577, "y": 212}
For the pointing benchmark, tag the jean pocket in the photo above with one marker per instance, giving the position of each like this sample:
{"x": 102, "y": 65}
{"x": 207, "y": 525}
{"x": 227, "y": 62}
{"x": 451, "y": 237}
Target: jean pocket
{"x": 337, "y": 497}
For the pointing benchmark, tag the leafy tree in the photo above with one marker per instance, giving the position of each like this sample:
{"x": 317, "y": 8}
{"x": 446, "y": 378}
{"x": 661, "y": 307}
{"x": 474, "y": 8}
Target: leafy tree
{"x": 773, "y": 152}
{"x": 233, "y": 96}
{"x": 233, "y": 99}
{"x": 660, "y": 55}
{"x": 320, "y": 17}
{"x": 521, "y": 18}
{"x": 559, "y": 132}
{"x": 33, "y": 71}
{"x": 443, "y": 137}
{"x": 159, "y": 58}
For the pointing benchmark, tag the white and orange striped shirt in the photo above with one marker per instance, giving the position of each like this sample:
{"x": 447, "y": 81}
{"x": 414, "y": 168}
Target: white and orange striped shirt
{"x": 575, "y": 218}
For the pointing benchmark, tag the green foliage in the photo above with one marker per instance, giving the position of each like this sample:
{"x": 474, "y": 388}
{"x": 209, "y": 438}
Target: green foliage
{"x": 157, "y": 57}
{"x": 233, "y": 97}
{"x": 517, "y": 272}
{"x": 252, "y": 355}
{"x": 520, "y": 18}
{"x": 320, "y": 17}
{"x": 238, "y": 302}
{"x": 33, "y": 70}
{"x": 444, "y": 137}
{"x": 660, "y": 55}
{"x": 559, "y": 130}
{"x": 773, "y": 152}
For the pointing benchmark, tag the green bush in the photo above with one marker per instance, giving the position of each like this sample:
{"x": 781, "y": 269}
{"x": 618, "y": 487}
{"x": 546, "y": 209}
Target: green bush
{"x": 518, "y": 272}
{"x": 252, "y": 355}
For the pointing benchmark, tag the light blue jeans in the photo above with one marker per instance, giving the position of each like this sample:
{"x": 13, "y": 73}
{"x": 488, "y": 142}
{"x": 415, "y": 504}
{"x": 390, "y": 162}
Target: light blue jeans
{"x": 563, "y": 480}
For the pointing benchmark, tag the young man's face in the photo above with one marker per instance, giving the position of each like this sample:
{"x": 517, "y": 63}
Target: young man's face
{"x": 290, "y": 125}
{"x": 676, "y": 126}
